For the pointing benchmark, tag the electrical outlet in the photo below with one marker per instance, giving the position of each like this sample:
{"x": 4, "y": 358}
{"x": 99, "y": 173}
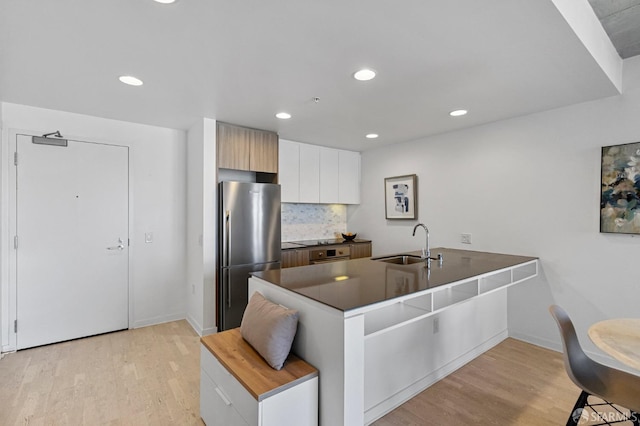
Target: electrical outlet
{"x": 465, "y": 238}
{"x": 436, "y": 325}
{"x": 148, "y": 237}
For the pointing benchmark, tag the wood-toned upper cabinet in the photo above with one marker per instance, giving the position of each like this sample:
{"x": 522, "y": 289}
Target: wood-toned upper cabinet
{"x": 241, "y": 148}
{"x": 264, "y": 152}
{"x": 233, "y": 147}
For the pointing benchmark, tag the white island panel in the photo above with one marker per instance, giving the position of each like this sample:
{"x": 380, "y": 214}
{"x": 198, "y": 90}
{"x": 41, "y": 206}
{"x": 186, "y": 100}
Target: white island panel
{"x": 331, "y": 343}
{"x": 403, "y": 361}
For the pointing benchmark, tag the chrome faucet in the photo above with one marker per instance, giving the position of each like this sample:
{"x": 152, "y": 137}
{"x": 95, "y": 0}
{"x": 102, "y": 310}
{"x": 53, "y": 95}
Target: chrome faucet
{"x": 426, "y": 251}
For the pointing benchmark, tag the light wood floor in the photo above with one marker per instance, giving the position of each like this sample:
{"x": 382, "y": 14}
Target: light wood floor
{"x": 146, "y": 376}
{"x": 150, "y": 376}
{"x": 514, "y": 383}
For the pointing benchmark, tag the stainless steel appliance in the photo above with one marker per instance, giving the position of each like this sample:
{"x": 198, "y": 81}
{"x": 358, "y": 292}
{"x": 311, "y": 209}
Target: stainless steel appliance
{"x": 324, "y": 255}
{"x": 249, "y": 241}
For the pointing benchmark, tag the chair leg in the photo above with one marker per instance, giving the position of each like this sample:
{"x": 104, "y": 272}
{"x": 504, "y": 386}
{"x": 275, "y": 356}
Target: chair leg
{"x": 574, "y": 417}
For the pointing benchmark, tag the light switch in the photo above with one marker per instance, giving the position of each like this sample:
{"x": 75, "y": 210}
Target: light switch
{"x": 148, "y": 237}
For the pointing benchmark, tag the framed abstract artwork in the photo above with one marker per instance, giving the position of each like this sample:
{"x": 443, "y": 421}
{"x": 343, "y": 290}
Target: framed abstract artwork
{"x": 620, "y": 189}
{"x": 401, "y": 197}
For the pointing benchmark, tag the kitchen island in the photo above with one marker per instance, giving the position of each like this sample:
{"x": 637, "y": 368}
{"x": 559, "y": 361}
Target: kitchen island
{"x": 380, "y": 332}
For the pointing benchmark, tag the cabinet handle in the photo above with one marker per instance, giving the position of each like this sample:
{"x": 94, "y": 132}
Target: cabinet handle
{"x": 223, "y": 397}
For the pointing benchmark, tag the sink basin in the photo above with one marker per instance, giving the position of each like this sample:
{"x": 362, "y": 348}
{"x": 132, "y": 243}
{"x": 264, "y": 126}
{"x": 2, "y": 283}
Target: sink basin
{"x": 401, "y": 259}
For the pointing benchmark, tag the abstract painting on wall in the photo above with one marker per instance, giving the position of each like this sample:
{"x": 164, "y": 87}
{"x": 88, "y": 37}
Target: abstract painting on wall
{"x": 400, "y": 197}
{"x": 620, "y": 183}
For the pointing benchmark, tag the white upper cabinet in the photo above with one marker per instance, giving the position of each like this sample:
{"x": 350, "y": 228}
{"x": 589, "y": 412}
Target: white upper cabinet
{"x": 314, "y": 174}
{"x": 289, "y": 170}
{"x": 309, "y": 174}
{"x": 329, "y": 177}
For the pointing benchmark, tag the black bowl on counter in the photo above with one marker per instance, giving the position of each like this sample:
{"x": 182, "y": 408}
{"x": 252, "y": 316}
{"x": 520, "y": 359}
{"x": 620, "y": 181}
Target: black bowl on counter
{"x": 349, "y": 237}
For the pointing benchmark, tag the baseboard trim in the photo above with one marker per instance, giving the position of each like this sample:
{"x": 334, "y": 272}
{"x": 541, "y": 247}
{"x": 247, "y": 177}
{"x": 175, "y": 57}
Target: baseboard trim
{"x": 602, "y": 358}
{"x": 7, "y": 349}
{"x": 535, "y": 340}
{"x": 195, "y": 325}
{"x": 393, "y": 402}
{"x": 208, "y": 331}
{"x": 158, "y": 320}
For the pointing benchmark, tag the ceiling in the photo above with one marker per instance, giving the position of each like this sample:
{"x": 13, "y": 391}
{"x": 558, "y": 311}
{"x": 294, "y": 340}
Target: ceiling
{"x": 621, "y": 21}
{"x": 242, "y": 61}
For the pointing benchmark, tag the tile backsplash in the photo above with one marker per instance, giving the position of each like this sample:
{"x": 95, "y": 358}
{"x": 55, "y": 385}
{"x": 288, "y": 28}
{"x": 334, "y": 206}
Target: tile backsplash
{"x": 313, "y": 221}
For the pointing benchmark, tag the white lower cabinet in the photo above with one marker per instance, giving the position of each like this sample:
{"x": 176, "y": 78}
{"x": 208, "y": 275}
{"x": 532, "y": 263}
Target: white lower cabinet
{"x": 232, "y": 404}
{"x": 224, "y": 401}
{"x": 215, "y": 407}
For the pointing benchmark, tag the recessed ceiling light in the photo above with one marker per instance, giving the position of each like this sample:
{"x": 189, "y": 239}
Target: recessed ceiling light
{"x": 458, "y": 113}
{"x": 371, "y": 136}
{"x": 283, "y": 115}
{"x": 166, "y": 1}
{"x": 130, "y": 80}
{"x": 364, "y": 74}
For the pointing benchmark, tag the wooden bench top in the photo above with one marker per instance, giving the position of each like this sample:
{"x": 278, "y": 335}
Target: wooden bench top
{"x": 251, "y": 370}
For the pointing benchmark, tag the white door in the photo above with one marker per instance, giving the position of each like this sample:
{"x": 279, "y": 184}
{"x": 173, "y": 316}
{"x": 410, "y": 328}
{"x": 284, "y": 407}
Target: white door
{"x": 72, "y": 253}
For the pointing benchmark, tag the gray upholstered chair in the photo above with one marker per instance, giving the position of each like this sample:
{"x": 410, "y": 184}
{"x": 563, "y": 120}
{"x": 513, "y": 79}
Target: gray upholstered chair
{"x": 609, "y": 384}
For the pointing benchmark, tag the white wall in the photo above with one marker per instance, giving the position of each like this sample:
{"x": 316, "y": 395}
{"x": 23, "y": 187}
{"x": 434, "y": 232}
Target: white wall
{"x": 158, "y": 189}
{"x": 529, "y": 186}
{"x": 201, "y": 228}
{"x": 3, "y": 226}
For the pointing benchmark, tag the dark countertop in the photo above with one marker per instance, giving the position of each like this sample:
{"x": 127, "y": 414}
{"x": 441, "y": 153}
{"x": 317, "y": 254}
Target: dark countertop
{"x": 352, "y": 284}
{"x": 320, "y": 243}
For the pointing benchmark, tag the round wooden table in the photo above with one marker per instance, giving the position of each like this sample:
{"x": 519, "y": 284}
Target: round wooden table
{"x": 620, "y": 338}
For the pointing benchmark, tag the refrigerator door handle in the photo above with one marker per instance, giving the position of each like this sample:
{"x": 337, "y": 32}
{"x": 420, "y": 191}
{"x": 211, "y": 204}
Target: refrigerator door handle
{"x": 227, "y": 240}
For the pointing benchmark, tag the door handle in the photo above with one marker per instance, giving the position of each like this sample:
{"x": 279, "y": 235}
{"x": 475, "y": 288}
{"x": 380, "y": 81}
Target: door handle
{"x": 120, "y": 245}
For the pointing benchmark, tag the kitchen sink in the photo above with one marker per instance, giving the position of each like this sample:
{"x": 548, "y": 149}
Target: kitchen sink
{"x": 401, "y": 259}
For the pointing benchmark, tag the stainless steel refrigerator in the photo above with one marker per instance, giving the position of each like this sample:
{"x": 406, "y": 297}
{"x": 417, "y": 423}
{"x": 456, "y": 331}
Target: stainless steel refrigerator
{"x": 249, "y": 241}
